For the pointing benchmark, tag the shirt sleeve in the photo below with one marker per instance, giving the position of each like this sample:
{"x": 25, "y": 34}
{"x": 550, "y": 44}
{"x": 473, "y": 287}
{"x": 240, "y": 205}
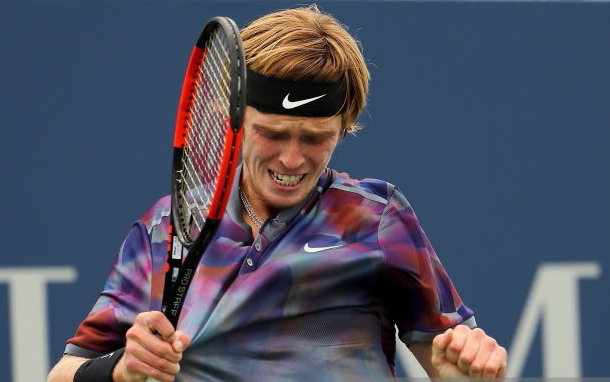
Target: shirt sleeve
{"x": 126, "y": 293}
{"x": 418, "y": 293}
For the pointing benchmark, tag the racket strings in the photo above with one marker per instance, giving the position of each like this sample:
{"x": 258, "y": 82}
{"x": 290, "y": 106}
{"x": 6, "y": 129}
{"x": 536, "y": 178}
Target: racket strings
{"x": 207, "y": 124}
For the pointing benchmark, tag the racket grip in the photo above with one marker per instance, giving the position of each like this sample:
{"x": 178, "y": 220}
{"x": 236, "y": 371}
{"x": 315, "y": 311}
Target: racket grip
{"x": 151, "y": 379}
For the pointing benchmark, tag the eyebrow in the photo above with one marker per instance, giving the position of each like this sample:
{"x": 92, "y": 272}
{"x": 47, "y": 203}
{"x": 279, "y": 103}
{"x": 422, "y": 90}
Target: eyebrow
{"x": 273, "y": 130}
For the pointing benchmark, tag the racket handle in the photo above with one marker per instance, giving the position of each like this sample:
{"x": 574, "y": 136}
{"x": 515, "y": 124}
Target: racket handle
{"x": 151, "y": 379}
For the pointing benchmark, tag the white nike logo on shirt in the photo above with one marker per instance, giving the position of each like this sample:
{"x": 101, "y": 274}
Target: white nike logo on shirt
{"x": 288, "y": 104}
{"x": 309, "y": 249}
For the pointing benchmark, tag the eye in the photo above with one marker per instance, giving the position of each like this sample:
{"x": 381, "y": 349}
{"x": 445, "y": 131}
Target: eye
{"x": 275, "y": 136}
{"x": 312, "y": 139}
{"x": 271, "y": 134}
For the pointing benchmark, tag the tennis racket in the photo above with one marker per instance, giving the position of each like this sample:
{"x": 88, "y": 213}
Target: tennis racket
{"x": 206, "y": 152}
{"x": 207, "y": 137}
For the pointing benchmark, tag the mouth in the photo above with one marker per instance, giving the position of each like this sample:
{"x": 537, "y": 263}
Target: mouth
{"x": 286, "y": 180}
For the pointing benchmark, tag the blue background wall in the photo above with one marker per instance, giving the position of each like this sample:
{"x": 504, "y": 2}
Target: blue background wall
{"x": 492, "y": 117}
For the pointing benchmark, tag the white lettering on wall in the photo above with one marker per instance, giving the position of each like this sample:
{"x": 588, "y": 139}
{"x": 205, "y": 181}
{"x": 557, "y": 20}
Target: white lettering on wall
{"x": 553, "y": 301}
{"x": 27, "y": 298}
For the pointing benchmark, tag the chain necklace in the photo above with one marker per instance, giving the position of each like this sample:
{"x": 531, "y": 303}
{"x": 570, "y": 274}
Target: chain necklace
{"x": 250, "y": 211}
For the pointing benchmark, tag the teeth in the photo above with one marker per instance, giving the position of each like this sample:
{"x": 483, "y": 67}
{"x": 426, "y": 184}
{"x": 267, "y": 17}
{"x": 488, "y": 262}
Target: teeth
{"x": 286, "y": 180}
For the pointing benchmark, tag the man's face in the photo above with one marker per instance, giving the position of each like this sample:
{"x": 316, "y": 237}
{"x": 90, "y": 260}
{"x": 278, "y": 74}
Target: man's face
{"x": 283, "y": 157}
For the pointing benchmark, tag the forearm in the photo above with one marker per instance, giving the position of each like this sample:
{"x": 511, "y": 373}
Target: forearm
{"x": 64, "y": 370}
{"x": 423, "y": 352}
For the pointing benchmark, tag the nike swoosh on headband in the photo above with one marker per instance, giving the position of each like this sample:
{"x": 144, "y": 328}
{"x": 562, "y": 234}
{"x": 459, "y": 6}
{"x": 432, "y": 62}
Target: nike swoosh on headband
{"x": 309, "y": 249}
{"x": 287, "y": 104}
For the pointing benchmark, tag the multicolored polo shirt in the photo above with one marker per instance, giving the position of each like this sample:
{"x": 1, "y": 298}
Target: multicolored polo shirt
{"x": 316, "y": 296}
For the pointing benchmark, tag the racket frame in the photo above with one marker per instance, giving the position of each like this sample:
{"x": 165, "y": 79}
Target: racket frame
{"x": 177, "y": 284}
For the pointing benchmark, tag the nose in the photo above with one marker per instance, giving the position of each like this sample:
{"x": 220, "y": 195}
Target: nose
{"x": 291, "y": 155}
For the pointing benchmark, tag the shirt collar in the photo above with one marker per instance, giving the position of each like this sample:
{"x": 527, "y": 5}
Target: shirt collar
{"x": 281, "y": 221}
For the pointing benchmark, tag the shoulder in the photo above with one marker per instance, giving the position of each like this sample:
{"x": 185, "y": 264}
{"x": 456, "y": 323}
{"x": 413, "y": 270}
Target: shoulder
{"x": 156, "y": 215}
{"x": 374, "y": 190}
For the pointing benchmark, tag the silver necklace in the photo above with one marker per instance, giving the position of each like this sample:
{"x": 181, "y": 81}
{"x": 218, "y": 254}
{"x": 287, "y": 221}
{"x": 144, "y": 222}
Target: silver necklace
{"x": 250, "y": 211}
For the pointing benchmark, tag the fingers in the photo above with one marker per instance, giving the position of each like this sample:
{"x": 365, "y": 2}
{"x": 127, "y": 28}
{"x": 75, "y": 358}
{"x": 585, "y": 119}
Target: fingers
{"x": 439, "y": 348}
{"x": 157, "y": 323}
{"x": 181, "y": 341}
{"x": 473, "y": 353}
{"x": 153, "y": 333}
{"x": 439, "y": 358}
{"x": 153, "y": 348}
{"x": 496, "y": 364}
{"x": 137, "y": 365}
{"x": 489, "y": 361}
{"x": 470, "y": 356}
{"x": 456, "y": 345}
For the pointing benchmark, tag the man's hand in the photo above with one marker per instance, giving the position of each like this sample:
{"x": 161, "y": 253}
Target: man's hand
{"x": 153, "y": 349}
{"x": 463, "y": 352}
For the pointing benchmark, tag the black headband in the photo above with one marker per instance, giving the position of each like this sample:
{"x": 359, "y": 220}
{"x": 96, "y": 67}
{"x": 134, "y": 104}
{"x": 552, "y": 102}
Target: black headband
{"x": 308, "y": 99}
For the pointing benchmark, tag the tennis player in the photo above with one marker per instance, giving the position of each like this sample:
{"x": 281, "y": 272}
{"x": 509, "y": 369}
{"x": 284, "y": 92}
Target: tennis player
{"x": 310, "y": 271}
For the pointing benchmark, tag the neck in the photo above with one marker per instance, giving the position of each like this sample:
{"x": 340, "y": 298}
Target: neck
{"x": 250, "y": 212}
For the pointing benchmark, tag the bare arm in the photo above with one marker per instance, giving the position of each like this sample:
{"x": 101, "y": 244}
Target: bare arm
{"x": 64, "y": 369}
{"x": 153, "y": 348}
{"x": 423, "y": 352}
